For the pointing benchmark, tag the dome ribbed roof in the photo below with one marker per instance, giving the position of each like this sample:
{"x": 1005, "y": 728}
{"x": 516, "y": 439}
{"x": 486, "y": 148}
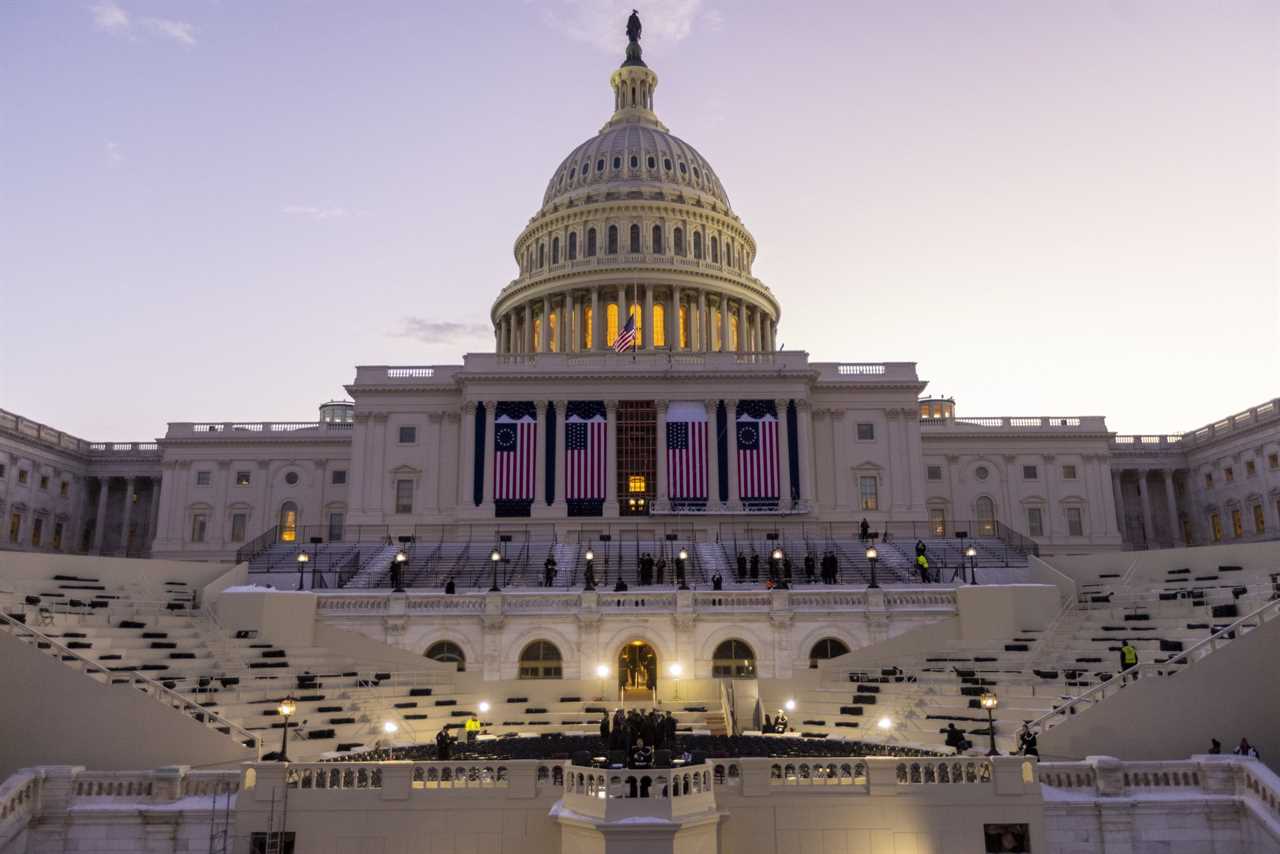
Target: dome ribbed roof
{"x": 620, "y": 157}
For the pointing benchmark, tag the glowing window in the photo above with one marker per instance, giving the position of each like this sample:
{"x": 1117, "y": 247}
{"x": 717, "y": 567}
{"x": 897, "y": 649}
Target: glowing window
{"x": 1237, "y": 524}
{"x": 684, "y": 325}
{"x": 611, "y": 323}
{"x": 733, "y": 659}
{"x": 868, "y": 491}
{"x": 659, "y": 325}
{"x": 554, "y": 331}
{"x": 635, "y": 483}
{"x": 537, "y": 334}
{"x": 733, "y": 332}
{"x": 586, "y": 326}
{"x": 637, "y": 314}
{"x": 288, "y": 522}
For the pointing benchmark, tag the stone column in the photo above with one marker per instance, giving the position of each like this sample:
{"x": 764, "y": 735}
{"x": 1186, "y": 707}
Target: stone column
{"x": 804, "y": 424}
{"x": 526, "y": 336}
{"x": 713, "y": 457}
{"x": 744, "y": 345}
{"x": 673, "y": 321}
{"x": 650, "y": 334}
{"x": 490, "y": 412}
{"x": 1175, "y": 527}
{"x": 540, "y": 458}
{"x": 595, "y": 318}
{"x": 100, "y": 520}
{"x": 129, "y": 487}
{"x": 611, "y": 460}
{"x": 731, "y": 423}
{"x": 1117, "y": 489}
{"x": 1147, "y": 528}
{"x": 576, "y": 340}
{"x": 544, "y": 333}
{"x": 661, "y": 463}
{"x": 703, "y": 343}
{"x": 784, "y": 453}
{"x": 559, "y": 506}
{"x": 153, "y": 513}
{"x": 724, "y": 323}
{"x": 467, "y": 466}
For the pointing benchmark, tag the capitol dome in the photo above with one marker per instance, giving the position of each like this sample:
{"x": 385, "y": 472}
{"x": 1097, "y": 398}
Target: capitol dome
{"x": 635, "y": 223}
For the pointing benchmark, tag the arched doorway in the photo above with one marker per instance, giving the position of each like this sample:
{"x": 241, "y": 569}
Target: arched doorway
{"x": 637, "y": 670}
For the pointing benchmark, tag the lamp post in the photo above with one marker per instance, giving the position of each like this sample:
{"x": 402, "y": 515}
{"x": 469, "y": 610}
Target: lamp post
{"x": 286, "y": 708}
{"x": 972, "y": 554}
{"x": 989, "y": 701}
{"x": 302, "y": 559}
{"x": 872, "y": 557}
{"x": 494, "y": 557}
{"x": 675, "y": 670}
{"x": 397, "y": 572}
{"x": 681, "y": 557}
{"x": 602, "y": 672}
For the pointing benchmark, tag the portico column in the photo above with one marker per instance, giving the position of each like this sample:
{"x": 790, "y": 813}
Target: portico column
{"x": 650, "y": 334}
{"x": 540, "y": 457}
{"x": 100, "y": 521}
{"x": 1118, "y": 491}
{"x": 526, "y": 338}
{"x": 490, "y": 412}
{"x": 153, "y": 512}
{"x": 661, "y": 406}
{"x": 703, "y": 343}
{"x": 713, "y": 457}
{"x": 1147, "y": 528}
{"x": 467, "y": 465}
{"x": 731, "y": 423}
{"x": 724, "y": 323}
{"x": 611, "y": 459}
{"x": 743, "y": 339}
{"x": 784, "y": 453}
{"x": 673, "y": 321}
{"x": 804, "y": 422}
{"x": 1175, "y": 528}
{"x": 559, "y": 506}
{"x": 129, "y": 484}
{"x": 577, "y": 324}
{"x": 544, "y": 336}
{"x": 595, "y": 318}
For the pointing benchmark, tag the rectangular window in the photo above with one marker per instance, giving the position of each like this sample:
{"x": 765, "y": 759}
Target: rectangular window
{"x": 404, "y": 496}
{"x": 1259, "y": 520}
{"x": 277, "y": 842}
{"x": 868, "y": 491}
{"x": 22, "y": 475}
{"x": 238, "y": 523}
{"x": 1075, "y": 522}
{"x": 934, "y": 472}
{"x": 1228, "y": 474}
{"x": 3, "y": 469}
{"x": 1208, "y": 481}
{"x": 339, "y": 477}
{"x": 938, "y": 522}
{"x": 408, "y": 435}
{"x": 866, "y": 432}
{"x": 242, "y": 478}
{"x": 204, "y": 478}
{"x": 199, "y": 524}
{"x": 1215, "y": 525}
{"x": 37, "y": 531}
{"x": 57, "y": 536}
{"x": 1237, "y": 523}
{"x": 337, "y": 522}
{"x": 1273, "y": 463}
{"x": 64, "y": 488}
{"x": 15, "y": 526}
{"x": 44, "y": 481}
{"x": 1030, "y": 473}
{"x": 1068, "y": 472}
{"x": 1035, "y": 522}
{"x": 1250, "y": 468}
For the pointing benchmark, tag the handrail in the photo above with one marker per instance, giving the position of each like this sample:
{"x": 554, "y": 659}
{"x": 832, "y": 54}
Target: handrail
{"x": 1161, "y": 669}
{"x": 190, "y": 707}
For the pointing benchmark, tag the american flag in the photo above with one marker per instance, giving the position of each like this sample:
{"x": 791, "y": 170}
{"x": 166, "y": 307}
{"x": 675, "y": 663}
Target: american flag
{"x": 687, "y": 451}
{"x": 515, "y": 438}
{"x": 585, "y": 447}
{"x": 757, "y": 425}
{"x": 626, "y": 339}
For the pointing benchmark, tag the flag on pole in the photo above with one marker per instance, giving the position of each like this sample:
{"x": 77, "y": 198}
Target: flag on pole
{"x": 687, "y": 451}
{"x": 757, "y": 425}
{"x": 515, "y": 435}
{"x": 585, "y": 446}
{"x": 626, "y": 339}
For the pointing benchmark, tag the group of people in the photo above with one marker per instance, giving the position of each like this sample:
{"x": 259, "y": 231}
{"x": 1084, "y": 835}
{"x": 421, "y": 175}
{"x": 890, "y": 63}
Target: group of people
{"x": 1244, "y": 748}
{"x": 777, "y": 725}
{"x": 650, "y": 570}
{"x": 638, "y": 734}
{"x": 1028, "y": 740}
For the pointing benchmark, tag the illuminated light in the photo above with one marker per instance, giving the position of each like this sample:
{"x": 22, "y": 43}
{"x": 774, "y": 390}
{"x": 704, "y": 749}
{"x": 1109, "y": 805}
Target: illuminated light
{"x": 885, "y": 723}
{"x": 872, "y": 554}
{"x": 602, "y": 670}
{"x": 495, "y": 555}
{"x": 989, "y": 700}
{"x": 777, "y": 554}
{"x": 590, "y": 555}
{"x": 303, "y": 557}
{"x": 390, "y": 727}
{"x": 401, "y": 557}
{"x": 484, "y": 706}
{"x": 971, "y": 552}
{"x": 684, "y": 555}
{"x": 635, "y": 483}
{"x": 287, "y": 706}
{"x": 789, "y": 705}
{"x": 675, "y": 669}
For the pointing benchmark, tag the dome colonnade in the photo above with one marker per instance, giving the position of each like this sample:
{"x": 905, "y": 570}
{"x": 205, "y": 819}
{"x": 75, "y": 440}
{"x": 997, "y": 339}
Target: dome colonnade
{"x": 635, "y": 221}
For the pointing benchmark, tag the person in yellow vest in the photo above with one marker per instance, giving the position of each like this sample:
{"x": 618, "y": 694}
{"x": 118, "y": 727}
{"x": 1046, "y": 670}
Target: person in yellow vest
{"x": 1128, "y": 659}
{"x": 472, "y": 727}
{"x": 922, "y": 564}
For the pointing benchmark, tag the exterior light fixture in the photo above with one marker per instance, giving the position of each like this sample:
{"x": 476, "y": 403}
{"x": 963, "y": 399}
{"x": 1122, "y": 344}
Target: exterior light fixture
{"x": 589, "y": 555}
{"x": 390, "y": 727}
{"x": 872, "y": 557}
{"x": 885, "y": 723}
{"x": 777, "y": 554}
{"x": 484, "y": 706}
{"x": 286, "y": 708}
{"x": 302, "y": 559}
{"x": 675, "y": 670}
{"x": 789, "y": 705}
{"x": 683, "y": 555}
{"x": 990, "y": 701}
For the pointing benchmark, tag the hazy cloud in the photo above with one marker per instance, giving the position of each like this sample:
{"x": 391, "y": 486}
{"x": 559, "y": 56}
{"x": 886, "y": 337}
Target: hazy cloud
{"x": 315, "y": 212}
{"x": 110, "y": 17}
{"x": 113, "y": 152}
{"x": 443, "y": 331}
{"x": 603, "y": 23}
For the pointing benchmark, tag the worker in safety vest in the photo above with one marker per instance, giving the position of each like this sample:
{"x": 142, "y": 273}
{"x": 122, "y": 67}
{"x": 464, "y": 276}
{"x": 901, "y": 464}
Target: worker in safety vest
{"x": 472, "y": 727}
{"x": 922, "y": 564}
{"x": 1128, "y": 658}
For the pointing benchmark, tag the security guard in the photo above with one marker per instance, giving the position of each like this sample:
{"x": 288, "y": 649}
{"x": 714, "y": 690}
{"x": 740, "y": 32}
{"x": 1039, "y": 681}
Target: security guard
{"x": 922, "y": 563}
{"x": 1128, "y": 657}
{"x": 473, "y": 729}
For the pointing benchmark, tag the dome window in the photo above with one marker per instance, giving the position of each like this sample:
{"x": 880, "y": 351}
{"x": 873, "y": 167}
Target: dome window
{"x": 684, "y": 170}
{"x": 657, "y": 240}
{"x": 653, "y": 162}
{"x": 697, "y": 245}
{"x": 696, "y": 175}
{"x": 555, "y": 250}
{"x": 613, "y": 240}
{"x": 591, "y": 242}
{"x": 635, "y": 162}
{"x": 600, "y": 165}
{"x": 715, "y": 250}
{"x": 666, "y": 163}
{"x": 635, "y": 239}
{"x": 617, "y": 163}
{"x": 584, "y": 168}
{"x": 573, "y": 246}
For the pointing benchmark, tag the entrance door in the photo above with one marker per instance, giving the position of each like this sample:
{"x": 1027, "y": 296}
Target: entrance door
{"x": 637, "y": 671}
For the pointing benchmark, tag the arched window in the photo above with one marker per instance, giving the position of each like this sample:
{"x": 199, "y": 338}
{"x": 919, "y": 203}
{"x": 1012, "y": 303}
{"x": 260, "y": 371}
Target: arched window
{"x": 540, "y": 660}
{"x": 715, "y": 250}
{"x": 542, "y": 255}
{"x": 697, "y": 245}
{"x": 728, "y": 252}
{"x": 586, "y": 327}
{"x": 683, "y": 323}
{"x": 635, "y": 238}
{"x": 600, "y": 165}
{"x": 653, "y": 163}
{"x": 447, "y": 652}
{"x": 733, "y": 658}
{"x": 573, "y": 246}
{"x": 986, "y": 510}
{"x": 659, "y": 325}
{"x": 288, "y": 522}
{"x": 617, "y": 163}
{"x": 528, "y": 258}
{"x": 555, "y": 250}
{"x": 827, "y": 648}
{"x": 733, "y": 332}
{"x": 584, "y": 168}
{"x": 591, "y": 243}
{"x": 677, "y": 241}
{"x": 635, "y": 162}
{"x": 613, "y": 240}
{"x": 610, "y": 324}
{"x": 657, "y": 240}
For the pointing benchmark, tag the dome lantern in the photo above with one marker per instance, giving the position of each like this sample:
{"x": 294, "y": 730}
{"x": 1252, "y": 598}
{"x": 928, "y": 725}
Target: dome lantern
{"x": 633, "y": 84}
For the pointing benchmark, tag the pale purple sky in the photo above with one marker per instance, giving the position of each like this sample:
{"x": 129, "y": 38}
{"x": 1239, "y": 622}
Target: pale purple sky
{"x": 214, "y": 210}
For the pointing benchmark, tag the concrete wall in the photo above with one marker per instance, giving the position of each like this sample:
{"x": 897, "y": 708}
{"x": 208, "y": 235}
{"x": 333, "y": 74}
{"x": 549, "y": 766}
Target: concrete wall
{"x": 51, "y": 713}
{"x": 286, "y": 618}
{"x": 1232, "y": 693}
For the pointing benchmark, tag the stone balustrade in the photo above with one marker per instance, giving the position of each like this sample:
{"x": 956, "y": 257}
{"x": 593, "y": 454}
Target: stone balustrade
{"x": 616, "y": 794}
{"x": 46, "y": 435}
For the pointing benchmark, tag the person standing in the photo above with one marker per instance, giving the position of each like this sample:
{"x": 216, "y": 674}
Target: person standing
{"x": 1128, "y": 659}
{"x": 742, "y": 567}
{"x": 662, "y": 569}
{"x": 549, "y": 572}
{"x": 809, "y": 566}
{"x": 864, "y": 530}
{"x": 472, "y": 728}
{"x": 604, "y": 727}
{"x": 755, "y": 567}
{"x": 922, "y": 564}
{"x": 680, "y": 572}
{"x": 1028, "y": 741}
{"x": 442, "y": 745}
